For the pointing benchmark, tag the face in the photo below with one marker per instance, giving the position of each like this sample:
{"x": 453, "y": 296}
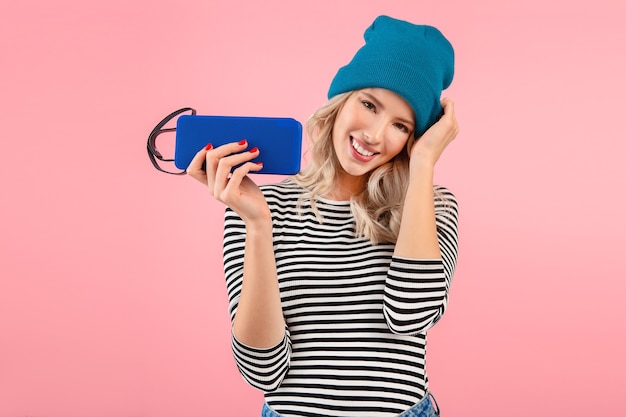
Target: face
{"x": 371, "y": 128}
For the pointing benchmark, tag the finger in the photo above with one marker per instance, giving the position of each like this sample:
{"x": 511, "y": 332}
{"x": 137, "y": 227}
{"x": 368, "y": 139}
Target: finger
{"x": 213, "y": 158}
{"x": 448, "y": 105}
{"x": 240, "y": 173}
{"x": 212, "y": 161}
{"x": 229, "y": 148}
{"x": 224, "y": 170}
{"x": 450, "y": 116}
{"x": 195, "y": 166}
{"x": 230, "y": 194}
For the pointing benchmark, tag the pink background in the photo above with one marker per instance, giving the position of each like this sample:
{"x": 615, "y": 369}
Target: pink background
{"x": 112, "y": 300}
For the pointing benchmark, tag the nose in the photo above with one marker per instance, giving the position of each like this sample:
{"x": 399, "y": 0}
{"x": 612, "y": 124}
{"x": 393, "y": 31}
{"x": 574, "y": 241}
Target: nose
{"x": 374, "y": 132}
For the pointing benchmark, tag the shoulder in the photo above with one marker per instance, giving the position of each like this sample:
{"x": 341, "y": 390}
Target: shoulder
{"x": 445, "y": 200}
{"x": 285, "y": 195}
{"x": 443, "y": 193}
{"x": 282, "y": 192}
{"x": 286, "y": 187}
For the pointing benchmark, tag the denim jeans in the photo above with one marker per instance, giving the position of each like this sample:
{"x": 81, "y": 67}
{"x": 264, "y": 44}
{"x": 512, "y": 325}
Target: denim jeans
{"x": 424, "y": 408}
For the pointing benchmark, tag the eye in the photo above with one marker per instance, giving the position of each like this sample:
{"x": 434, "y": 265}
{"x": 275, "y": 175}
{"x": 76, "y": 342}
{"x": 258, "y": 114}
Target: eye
{"x": 402, "y": 127}
{"x": 369, "y": 105}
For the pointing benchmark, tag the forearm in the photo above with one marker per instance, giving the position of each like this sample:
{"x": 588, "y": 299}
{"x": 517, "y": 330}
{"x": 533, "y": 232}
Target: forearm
{"x": 415, "y": 295}
{"x": 259, "y": 320}
{"x": 416, "y": 291}
{"x": 416, "y": 288}
{"x": 417, "y": 238}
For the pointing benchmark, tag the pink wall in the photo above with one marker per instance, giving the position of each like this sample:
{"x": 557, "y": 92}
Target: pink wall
{"x": 112, "y": 301}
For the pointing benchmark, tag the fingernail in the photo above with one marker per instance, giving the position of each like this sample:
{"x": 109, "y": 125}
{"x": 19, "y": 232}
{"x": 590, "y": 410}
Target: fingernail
{"x": 253, "y": 150}
{"x": 208, "y": 147}
{"x": 241, "y": 142}
{"x": 259, "y": 163}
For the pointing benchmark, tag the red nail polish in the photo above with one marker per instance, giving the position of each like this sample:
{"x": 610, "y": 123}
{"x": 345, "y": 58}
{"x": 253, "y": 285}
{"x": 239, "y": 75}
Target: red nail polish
{"x": 241, "y": 142}
{"x": 259, "y": 163}
{"x": 253, "y": 150}
{"x": 208, "y": 147}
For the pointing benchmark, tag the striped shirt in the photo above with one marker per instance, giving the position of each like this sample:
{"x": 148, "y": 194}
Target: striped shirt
{"x": 356, "y": 315}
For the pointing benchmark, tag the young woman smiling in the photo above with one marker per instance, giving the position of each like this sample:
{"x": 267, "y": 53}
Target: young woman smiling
{"x": 335, "y": 275}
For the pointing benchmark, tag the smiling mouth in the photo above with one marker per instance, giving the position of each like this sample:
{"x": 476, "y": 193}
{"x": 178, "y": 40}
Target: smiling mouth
{"x": 360, "y": 149}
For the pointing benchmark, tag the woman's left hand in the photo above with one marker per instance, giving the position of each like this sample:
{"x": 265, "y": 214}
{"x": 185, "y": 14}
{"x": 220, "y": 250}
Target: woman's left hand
{"x": 428, "y": 148}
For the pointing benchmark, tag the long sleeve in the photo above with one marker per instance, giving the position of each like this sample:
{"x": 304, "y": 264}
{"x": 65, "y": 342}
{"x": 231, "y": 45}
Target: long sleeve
{"x": 416, "y": 290}
{"x": 262, "y": 368}
{"x": 339, "y": 354}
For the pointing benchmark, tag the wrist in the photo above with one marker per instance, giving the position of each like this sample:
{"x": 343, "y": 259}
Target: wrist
{"x": 259, "y": 225}
{"x": 421, "y": 167}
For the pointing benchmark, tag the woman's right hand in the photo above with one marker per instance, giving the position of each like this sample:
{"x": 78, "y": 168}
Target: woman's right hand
{"x": 231, "y": 186}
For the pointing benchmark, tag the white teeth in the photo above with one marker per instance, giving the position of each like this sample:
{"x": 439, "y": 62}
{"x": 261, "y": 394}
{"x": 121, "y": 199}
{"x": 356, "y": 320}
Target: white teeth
{"x": 360, "y": 150}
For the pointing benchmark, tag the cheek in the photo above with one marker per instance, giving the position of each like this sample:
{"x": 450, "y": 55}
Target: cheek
{"x": 396, "y": 145}
{"x": 345, "y": 121}
{"x": 352, "y": 117}
{"x": 337, "y": 131}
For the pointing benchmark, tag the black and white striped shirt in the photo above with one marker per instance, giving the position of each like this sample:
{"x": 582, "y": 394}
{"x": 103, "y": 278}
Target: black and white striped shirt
{"x": 356, "y": 315}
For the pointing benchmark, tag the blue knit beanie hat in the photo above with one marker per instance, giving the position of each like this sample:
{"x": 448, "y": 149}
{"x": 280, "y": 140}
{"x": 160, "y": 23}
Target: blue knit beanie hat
{"x": 414, "y": 61}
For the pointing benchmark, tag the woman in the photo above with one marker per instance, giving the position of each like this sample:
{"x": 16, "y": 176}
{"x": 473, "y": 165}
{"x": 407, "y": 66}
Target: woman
{"x": 335, "y": 275}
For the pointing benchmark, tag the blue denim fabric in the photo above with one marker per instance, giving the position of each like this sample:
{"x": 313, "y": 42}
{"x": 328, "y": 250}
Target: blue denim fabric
{"x": 268, "y": 412}
{"x": 424, "y": 408}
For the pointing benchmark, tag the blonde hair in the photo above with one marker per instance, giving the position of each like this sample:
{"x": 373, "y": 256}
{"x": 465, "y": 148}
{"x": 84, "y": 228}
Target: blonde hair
{"x": 377, "y": 209}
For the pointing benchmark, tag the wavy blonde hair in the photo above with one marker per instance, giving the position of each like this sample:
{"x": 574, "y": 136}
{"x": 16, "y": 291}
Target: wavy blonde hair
{"x": 377, "y": 209}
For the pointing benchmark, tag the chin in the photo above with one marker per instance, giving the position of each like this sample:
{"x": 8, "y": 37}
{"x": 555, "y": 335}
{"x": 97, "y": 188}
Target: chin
{"x": 358, "y": 171}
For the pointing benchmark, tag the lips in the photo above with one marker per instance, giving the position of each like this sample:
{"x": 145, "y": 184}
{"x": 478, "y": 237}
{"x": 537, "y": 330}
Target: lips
{"x": 360, "y": 150}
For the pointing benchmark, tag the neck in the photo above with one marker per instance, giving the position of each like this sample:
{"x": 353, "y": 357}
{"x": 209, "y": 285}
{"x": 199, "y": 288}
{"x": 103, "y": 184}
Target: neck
{"x": 346, "y": 186}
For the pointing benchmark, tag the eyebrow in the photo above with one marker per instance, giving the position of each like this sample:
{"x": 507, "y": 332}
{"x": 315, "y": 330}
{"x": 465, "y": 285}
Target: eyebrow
{"x": 379, "y": 104}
